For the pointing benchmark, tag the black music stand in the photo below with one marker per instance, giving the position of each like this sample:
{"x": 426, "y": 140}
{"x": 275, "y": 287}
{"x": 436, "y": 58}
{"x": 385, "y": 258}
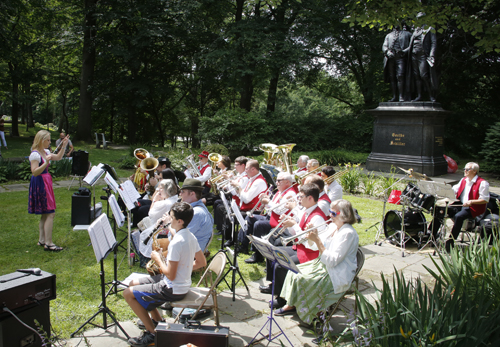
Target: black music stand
{"x": 103, "y": 242}
{"x": 277, "y": 257}
{"x": 233, "y": 265}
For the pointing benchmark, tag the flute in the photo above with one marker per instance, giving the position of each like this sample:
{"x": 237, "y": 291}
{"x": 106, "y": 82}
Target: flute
{"x": 60, "y": 144}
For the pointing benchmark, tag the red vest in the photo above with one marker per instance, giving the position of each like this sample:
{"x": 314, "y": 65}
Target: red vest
{"x": 475, "y": 210}
{"x": 274, "y": 221}
{"x": 305, "y": 254}
{"x": 302, "y": 169}
{"x": 248, "y": 207}
{"x": 326, "y": 198}
{"x": 202, "y": 171}
{"x": 236, "y": 198}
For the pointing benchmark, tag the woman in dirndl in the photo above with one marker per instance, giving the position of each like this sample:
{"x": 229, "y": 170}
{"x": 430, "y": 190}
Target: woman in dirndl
{"x": 323, "y": 281}
{"x": 41, "y": 197}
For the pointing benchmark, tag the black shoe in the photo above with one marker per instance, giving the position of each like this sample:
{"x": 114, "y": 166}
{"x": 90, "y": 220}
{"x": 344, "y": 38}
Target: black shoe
{"x": 141, "y": 325}
{"x": 242, "y": 250}
{"x": 278, "y": 303}
{"x": 228, "y": 243}
{"x": 255, "y": 258}
{"x": 266, "y": 289}
{"x": 145, "y": 339}
{"x": 449, "y": 245}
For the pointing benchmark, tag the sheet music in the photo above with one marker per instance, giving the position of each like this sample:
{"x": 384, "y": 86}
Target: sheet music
{"x": 238, "y": 215}
{"x": 117, "y": 213}
{"x": 129, "y": 194}
{"x": 441, "y": 190}
{"x": 274, "y": 253}
{"x": 110, "y": 181}
{"x": 102, "y": 237}
{"x": 94, "y": 174}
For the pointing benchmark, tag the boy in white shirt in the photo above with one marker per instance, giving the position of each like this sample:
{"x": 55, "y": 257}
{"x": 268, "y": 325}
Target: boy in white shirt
{"x": 146, "y": 294}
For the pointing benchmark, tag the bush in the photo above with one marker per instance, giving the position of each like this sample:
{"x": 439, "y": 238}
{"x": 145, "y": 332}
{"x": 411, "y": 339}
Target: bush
{"x": 60, "y": 168}
{"x": 9, "y": 170}
{"x": 491, "y": 148}
{"x": 350, "y": 181}
{"x": 334, "y": 157}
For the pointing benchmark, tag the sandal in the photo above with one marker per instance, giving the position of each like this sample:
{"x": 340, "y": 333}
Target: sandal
{"x": 40, "y": 244}
{"x": 52, "y": 248}
{"x": 282, "y": 312}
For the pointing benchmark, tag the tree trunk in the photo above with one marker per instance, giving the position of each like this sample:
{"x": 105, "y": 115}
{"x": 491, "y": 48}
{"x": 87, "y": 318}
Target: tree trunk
{"x": 15, "y": 100}
{"x": 273, "y": 90}
{"x": 84, "y": 129}
{"x": 111, "y": 118}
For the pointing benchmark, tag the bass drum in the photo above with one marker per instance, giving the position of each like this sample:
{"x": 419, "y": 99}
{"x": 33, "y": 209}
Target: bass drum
{"x": 414, "y": 223}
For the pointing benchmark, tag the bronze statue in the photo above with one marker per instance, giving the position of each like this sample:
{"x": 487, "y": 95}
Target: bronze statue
{"x": 395, "y": 50}
{"x": 422, "y": 50}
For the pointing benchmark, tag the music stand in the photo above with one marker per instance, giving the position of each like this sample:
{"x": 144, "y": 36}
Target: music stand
{"x": 103, "y": 242}
{"x": 277, "y": 257}
{"x": 233, "y": 265}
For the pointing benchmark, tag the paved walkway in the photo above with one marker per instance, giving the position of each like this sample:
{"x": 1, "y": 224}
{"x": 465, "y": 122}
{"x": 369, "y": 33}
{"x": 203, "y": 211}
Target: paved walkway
{"x": 249, "y": 312}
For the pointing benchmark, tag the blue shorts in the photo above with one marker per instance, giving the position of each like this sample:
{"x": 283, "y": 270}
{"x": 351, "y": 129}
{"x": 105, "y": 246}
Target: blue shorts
{"x": 153, "y": 292}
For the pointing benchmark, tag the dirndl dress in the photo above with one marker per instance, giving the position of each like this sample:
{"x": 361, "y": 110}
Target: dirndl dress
{"x": 41, "y": 196}
{"x": 309, "y": 291}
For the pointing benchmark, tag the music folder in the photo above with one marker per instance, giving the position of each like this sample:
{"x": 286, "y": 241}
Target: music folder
{"x": 101, "y": 236}
{"x": 273, "y": 253}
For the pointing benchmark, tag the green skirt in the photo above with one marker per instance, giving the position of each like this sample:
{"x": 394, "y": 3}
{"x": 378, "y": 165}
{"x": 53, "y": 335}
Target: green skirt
{"x": 311, "y": 291}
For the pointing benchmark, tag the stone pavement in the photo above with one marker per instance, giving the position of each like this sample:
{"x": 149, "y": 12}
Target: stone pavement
{"x": 249, "y": 312}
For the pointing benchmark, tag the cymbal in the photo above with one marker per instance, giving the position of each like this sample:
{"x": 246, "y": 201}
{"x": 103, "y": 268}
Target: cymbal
{"x": 408, "y": 172}
{"x": 416, "y": 175}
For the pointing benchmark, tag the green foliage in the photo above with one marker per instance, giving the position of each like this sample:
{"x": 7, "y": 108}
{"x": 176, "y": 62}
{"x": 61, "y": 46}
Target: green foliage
{"x": 350, "y": 181}
{"x": 387, "y": 182}
{"x": 370, "y": 183}
{"x": 9, "y": 170}
{"x": 216, "y": 148}
{"x": 25, "y": 170}
{"x": 491, "y": 147}
{"x": 60, "y": 168}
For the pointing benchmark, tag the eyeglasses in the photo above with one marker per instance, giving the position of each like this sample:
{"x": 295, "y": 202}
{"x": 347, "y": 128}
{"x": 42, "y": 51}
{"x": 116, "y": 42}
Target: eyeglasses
{"x": 280, "y": 180}
{"x": 466, "y": 169}
{"x": 333, "y": 213}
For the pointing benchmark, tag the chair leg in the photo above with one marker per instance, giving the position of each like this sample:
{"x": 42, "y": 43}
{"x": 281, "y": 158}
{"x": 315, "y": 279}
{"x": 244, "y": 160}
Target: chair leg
{"x": 216, "y": 308}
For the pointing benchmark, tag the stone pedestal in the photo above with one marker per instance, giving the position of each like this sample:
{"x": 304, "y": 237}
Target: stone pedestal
{"x": 409, "y": 135}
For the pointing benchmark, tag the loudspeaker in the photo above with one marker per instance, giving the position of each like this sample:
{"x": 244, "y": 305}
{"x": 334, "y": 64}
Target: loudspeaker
{"x": 80, "y": 209}
{"x": 13, "y": 333}
{"x": 80, "y": 165}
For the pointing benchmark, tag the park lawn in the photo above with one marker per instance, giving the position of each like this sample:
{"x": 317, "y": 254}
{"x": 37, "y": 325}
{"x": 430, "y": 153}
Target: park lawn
{"x": 76, "y": 268}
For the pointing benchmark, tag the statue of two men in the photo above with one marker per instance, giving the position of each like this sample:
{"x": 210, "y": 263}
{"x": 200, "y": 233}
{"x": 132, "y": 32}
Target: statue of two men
{"x": 410, "y": 58}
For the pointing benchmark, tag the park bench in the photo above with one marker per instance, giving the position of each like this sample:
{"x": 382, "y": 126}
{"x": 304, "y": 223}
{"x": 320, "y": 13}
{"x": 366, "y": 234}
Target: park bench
{"x": 98, "y": 144}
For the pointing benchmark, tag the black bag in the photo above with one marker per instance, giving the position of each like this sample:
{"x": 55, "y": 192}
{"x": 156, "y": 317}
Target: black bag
{"x": 191, "y": 332}
{"x": 188, "y": 313}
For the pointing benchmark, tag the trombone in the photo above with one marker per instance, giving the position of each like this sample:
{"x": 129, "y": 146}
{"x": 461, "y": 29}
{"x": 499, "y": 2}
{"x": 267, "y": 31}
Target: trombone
{"x": 301, "y": 179}
{"x": 299, "y": 238}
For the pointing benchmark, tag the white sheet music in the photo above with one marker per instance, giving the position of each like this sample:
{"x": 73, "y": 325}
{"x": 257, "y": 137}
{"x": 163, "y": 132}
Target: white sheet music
{"x": 238, "y": 215}
{"x": 129, "y": 194}
{"x": 117, "y": 213}
{"x": 102, "y": 237}
{"x": 110, "y": 181}
{"x": 94, "y": 174}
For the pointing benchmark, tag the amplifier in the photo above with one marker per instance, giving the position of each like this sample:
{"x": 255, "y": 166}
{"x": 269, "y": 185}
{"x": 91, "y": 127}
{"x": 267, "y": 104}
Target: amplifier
{"x": 19, "y": 289}
{"x": 175, "y": 335}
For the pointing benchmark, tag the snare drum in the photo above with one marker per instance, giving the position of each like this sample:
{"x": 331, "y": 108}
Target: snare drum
{"x": 424, "y": 201}
{"x": 414, "y": 223}
{"x": 410, "y": 193}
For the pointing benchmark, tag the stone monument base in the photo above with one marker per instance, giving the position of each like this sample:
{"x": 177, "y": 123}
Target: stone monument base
{"x": 409, "y": 135}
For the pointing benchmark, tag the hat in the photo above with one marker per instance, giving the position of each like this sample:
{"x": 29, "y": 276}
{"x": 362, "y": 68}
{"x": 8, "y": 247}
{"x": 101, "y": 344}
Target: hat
{"x": 192, "y": 184}
{"x": 204, "y": 154}
{"x": 163, "y": 160}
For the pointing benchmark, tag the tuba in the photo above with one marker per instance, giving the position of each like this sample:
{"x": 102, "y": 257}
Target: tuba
{"x": 270, "y": 153}
{"x": 286, "y": 158}
{"x": 139, "y": 177}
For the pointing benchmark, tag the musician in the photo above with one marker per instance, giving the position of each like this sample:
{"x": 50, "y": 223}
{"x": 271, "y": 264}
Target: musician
{"x": 310, "y": 216}
{"x": 240, "y": 180}
{"x": 473, "y": 193}
{"x": 322, "y": 283}
{"x": 69, "y": 148}
{"x": 334, "y": 189}
{"x": 224, "y": 164}
{"x": 258, "y": 225}
{"x": 163, "y": 199}
{"x": 323, "y": 200}
{"x": 312, "y": 164}
{"x": 202, "y": 223}
{"x": 301, "y": 165}
{"x": 249, "y": 196}
{"x": 163, "y": 164}
{"x": 146, "y": 294}
{"x": 205, "y": 171}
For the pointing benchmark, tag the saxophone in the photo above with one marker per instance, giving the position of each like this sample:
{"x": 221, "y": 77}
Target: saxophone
{"x": 153, "y": 268}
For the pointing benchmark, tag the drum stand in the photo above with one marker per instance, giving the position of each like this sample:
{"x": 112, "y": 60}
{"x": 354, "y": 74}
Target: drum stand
{"x": 441, "y": 233}
{"x": 380, "y": 224}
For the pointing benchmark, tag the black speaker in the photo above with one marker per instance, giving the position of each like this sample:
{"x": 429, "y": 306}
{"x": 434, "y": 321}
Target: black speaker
{"x": 80, "y": 209}
{"x": 13, "y": 333}
{"x": 80, "y": 165}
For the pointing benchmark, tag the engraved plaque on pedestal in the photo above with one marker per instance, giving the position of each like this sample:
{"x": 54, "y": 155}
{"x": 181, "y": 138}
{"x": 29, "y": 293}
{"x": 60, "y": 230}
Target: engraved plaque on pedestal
{"x": 410, "y": 135}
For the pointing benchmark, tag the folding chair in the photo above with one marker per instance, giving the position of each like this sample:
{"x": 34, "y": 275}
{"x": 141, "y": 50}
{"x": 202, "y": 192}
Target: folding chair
{"x": 360, "y": 260}
{"x": 198, "y": 297}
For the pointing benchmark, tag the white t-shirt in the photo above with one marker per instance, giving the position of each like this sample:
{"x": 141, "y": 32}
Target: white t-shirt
{"x": 182, "y": 248}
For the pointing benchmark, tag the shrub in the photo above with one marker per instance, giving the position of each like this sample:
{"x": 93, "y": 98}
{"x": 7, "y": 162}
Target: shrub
{"x": 9, "y": 170}
{"x": 60, "y": 168}
{"x": 491, "y": 147}
{"x": 350, "y": 181}
{"x": 370, "y": 183}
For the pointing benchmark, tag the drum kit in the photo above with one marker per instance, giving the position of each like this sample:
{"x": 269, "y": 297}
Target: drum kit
{"x": 409, "y": 224}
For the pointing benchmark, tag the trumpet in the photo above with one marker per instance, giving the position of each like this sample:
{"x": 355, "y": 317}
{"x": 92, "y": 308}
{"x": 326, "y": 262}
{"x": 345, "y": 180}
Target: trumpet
{"x": 301, "y": 237}
{"x": 278, "y": 227}
{"x": 250, "y": 213}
